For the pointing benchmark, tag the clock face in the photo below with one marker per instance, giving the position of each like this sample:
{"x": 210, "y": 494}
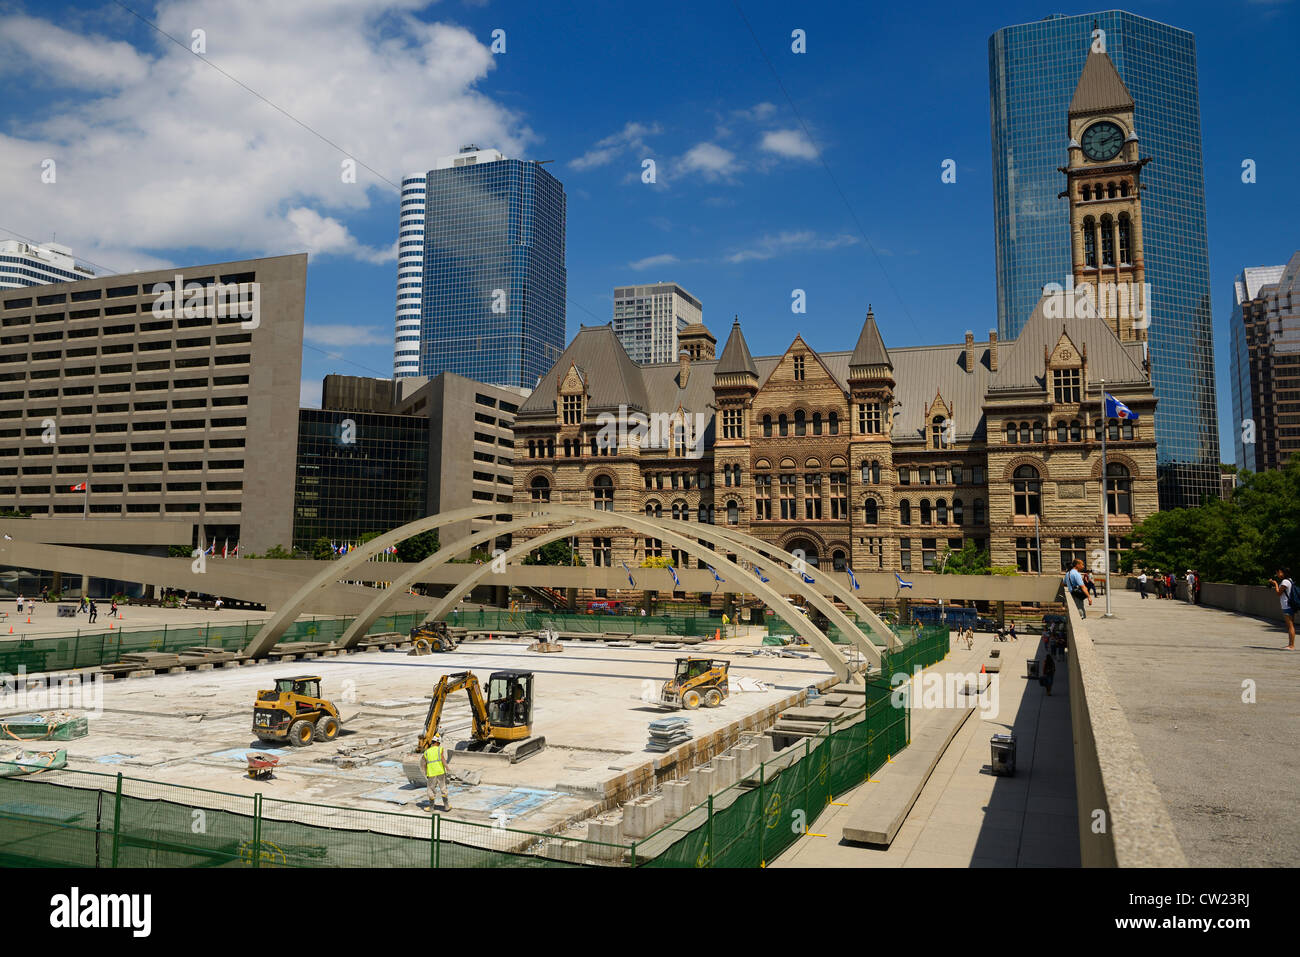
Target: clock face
{"x": 1102, "y": 141}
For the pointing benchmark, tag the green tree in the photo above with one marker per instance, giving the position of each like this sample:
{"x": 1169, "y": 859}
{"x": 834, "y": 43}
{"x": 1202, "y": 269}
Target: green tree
{"x": 418, "y": 547}
{"x": 277, "y": 552}
{"x": 558, "y": 552}
{"x": 322, "y": 550}
{"x": 969, "y": 560}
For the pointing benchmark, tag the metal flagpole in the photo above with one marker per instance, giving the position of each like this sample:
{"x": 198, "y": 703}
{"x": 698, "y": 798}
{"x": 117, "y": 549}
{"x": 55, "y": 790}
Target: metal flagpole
{"x": 1105, "y": 501}
{"x": 85, "y": 501}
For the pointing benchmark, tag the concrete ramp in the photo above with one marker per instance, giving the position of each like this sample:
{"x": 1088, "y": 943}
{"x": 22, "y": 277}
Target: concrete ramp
{"x": 898, "y": 785}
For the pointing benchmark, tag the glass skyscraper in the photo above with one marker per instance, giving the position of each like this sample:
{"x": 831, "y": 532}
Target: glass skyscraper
{"x": 493, "y": 282}
{"x": 1033, "y": 71}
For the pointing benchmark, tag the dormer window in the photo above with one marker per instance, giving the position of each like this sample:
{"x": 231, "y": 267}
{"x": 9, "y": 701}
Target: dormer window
{"x": 572, "y": 409}
{"x": 1067, "y": 384}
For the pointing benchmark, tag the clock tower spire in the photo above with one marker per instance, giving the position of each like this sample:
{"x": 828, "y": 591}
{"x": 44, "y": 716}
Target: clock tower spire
{"x": 1104, "y": 190}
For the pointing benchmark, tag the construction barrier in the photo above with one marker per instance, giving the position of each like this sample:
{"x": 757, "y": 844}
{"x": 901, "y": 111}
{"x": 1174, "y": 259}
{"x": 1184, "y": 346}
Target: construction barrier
{"x": 64, "y": 652}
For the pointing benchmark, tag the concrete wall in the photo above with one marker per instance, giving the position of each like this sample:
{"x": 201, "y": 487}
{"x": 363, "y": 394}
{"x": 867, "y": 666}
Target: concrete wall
{"x": 1123, "y": 821}
{"x": 1257, "y": 600}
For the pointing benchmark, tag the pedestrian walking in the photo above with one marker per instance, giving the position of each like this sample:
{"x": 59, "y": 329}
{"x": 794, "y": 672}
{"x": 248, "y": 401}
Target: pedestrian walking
{"x": 1198, "y": 586}
{"x": 21, "y": 601}
{"x": 93, "y": 612}
{"x": 1074, "y": 585}
{"x": 1142, "y": 584}
{"x": 112, "y": 609}
{"x": 1047, "y": 673}
{"x": 1089, "y": 585}
{"x": 435, "y": 772}
{"x": 1290, "y": 597}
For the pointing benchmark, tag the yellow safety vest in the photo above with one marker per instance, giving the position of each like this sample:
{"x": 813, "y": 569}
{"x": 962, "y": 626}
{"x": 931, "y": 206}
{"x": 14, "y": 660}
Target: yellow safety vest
{"x": 433, "y": 761}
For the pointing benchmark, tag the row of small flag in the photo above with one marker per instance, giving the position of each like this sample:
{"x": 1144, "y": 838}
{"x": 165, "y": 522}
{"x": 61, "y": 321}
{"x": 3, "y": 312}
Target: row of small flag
{"x": 808, "y": 579}
{"x": 226, "y": 550}
{"x": 352, "y": 546}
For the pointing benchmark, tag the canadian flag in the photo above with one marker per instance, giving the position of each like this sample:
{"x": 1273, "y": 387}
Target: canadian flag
{"x": 79, "y": 488}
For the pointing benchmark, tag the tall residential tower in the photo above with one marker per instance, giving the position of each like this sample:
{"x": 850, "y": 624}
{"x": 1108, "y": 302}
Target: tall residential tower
{"x": 648, "y": 319}
{"x": 491, "y": 281}
{"x": 1034, "y": 69}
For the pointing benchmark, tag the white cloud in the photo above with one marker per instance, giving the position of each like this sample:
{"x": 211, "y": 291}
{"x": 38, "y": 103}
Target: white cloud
{"x": 792, "y": 144}
{"x": 650, "y": 262}
{"x": 156, "y": 150}
{"x": 711, "y": 160}
{"x": 309, "y": 393}
{"x": 771, "y": 246}
{"x": 344, "y": 335}
{"x": 630, "y": 138}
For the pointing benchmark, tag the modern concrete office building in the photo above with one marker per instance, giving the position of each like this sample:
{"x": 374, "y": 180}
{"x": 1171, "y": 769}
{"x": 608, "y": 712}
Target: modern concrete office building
{"x": 383, "y": 452}
{"x": 1034, "y": 72}
{"x": 1265, "y": 335}
{"x": 492, "y": 280}
{"x": 118, "y": 399}
{"x": 27, "y": 264}
{"x": 648, "y": 319}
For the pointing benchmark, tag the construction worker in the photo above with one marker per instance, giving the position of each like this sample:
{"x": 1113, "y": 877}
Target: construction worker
{"x": 435, "y": 769}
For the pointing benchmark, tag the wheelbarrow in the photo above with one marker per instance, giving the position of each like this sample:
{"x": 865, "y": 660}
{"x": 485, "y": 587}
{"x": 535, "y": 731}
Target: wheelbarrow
{"x": 260, "y": 764}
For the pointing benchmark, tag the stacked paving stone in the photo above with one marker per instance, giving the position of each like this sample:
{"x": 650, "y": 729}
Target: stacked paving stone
{"x": 668, "y": 733}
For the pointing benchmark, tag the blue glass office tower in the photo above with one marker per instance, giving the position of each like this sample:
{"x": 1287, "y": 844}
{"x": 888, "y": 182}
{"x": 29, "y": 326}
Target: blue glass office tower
{"x": 493, "y": 285}
{"x": 1033, "y": 71}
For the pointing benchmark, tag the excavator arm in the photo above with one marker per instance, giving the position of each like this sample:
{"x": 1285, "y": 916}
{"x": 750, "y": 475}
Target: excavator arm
{"x": 450, "y": 684}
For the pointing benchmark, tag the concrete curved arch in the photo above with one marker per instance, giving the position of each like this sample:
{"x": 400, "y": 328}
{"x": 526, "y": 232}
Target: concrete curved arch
{"x": 357, "y": 630}
{"x": 277, "y": 624}
{"x": 816, "y": 637}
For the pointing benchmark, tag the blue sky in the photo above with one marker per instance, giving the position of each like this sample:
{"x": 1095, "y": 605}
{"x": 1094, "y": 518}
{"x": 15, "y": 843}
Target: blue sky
{"x": 165, "y": 161}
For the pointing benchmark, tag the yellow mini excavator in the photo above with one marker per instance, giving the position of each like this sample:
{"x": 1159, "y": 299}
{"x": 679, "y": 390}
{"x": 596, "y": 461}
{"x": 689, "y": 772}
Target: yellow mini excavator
{"x": 503, "y": 720}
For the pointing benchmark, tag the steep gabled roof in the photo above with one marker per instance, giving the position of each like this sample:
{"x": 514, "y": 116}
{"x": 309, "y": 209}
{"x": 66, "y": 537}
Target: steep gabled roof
{"x": 1100, "y": 89}
{"x": 870, "y": 350}
{"x": 611, "y": 375}
{"x": 1021, "y": 366}
{"x": 735, "y": 355}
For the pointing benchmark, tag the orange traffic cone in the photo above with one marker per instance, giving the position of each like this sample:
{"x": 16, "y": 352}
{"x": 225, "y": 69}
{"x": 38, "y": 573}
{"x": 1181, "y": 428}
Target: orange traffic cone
{"x": 29, "y": 619}
{"x": 110, "y": 624}
{"x": 982, "y": 669}
{"x": 717, "y": 634}
{"x": 11, "y": 629}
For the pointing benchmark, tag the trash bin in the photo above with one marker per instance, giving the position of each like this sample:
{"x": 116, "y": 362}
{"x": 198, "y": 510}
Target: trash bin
{"x": 1003, "y": 759}
{"x": 1031, "y": 667}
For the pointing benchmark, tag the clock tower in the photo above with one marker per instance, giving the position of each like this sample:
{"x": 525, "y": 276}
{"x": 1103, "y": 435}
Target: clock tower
{"x": 1104, "y": 189}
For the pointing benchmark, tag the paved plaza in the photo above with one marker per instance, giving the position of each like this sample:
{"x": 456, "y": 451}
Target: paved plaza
{"x": 1228, "y": 770}
{"x": 965, "y": 816}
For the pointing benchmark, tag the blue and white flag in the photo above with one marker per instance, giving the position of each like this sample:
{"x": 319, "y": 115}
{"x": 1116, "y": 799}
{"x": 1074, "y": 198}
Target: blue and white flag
{"x": 901, "y": 583}
{"x": 676, "y": 581}
{"x": 1115, "y": 409}
{"x": 630, "y": 580}
{"x": 852, "y": 577}
{"x": 716, "y": 578}
{"x": 808, "y": 579}
{"x": 759, "y": 572}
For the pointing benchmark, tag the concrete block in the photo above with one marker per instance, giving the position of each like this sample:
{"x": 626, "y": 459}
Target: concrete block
{"x": 310, "y": 654}
{"x": 643, "y": 816}
{"x": 608, "y": 831}
{"x": 207, "y": 666}
{"x": 724, "y": 772}
{"x": 704, "y": 779}
{"x": 230, "y": 664}
{"x": 574, "y": 852}
{"x": 765, "y": 748}
{"x": 746, "y": 756}
{"x": 177, "y": 670}
{"x": 330, "y": 653}
{"x": 677, "y": 795}
{"x": 143, "y": 673}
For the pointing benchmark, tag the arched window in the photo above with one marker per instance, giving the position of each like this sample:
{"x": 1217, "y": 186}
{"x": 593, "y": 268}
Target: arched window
{"x": 834, "y": 422}
{"x": 979, "y": 511}
{"x": 1087, "y": 192}
{"x": 1076, "y": 432}
{"x": 801, "y": 547}
{"x": 1125, "y": 236}
{"x": 677, "y": 512}
{"x": 1119, "y": 489}
{"x": 602, "y": 493}
{"x": 1038, "y": 433}
{"x": 1123, "y": 187}
{"x": 800, "y": 423}
{"x": 1025, "y": 435}
{"x": 941, "y": 511}
{"x": 905, "y": 512}
{"x": 838, "y": 561}
{"x": 702, "y": 515}
{"x": 710, "y": 514}
{"x": 532, "y": 449}
{"x": 1110, "y": 190}
{"x": 540, "y": 489}
{"x": 925, "y": 511}
{"x": 1060, "y": 431}
{"x": 550, "y": 448}
{"x": 1089, "y": 242}
{"x": 957, "y": 511}
{"x": 1011, "y": 433}
{"x": 817, "y": 423}
{"x": 1107, "y": 241}
{"x": 767, "y": 426}
{"x": 733, "y": 512}
{"x": 871, "y": 512}
{"x": 783, "y": 424}
{"x": 1025, "y": 491}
